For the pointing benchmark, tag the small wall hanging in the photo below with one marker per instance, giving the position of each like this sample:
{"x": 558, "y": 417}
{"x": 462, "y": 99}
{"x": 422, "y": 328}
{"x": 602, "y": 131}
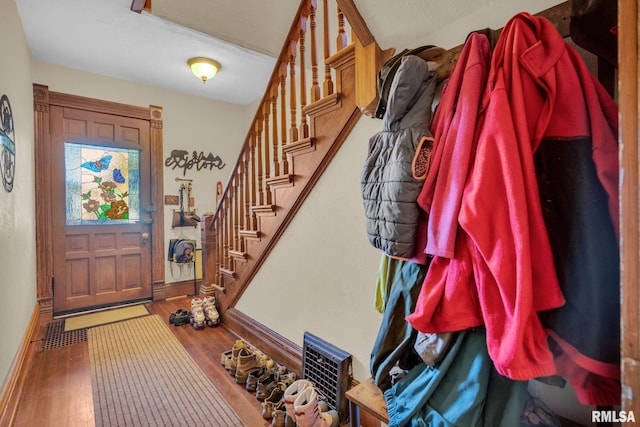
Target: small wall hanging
{"x": 181, "y": 159}
{"x": 185, "y": 217}
{"x": 7, "y": 139}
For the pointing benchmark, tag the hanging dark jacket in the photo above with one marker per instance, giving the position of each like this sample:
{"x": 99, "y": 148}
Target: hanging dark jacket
{"x": 388, "y": 184}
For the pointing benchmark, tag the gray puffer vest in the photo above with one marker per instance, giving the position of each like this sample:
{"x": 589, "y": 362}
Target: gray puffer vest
{"x": 390, "y": 182}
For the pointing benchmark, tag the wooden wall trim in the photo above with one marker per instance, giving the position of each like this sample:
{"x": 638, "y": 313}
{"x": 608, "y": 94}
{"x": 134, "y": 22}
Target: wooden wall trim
{"x": 100, "y": 106}
{"x": 628, "y": 48}
{"x": 42, "y": 154}
{"x": 17, "y": 372}
{"x": 271, "y": 343}
{"x": 155, "y": 116}
{"x": 43, "y": 99}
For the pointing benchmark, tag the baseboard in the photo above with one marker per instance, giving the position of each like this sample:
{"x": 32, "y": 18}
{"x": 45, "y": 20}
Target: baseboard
{"x": 162, "y": 291}
{"x": 276, "y": 346}
{"x": 15, "y": 379}
{"x": 176, "y": 289}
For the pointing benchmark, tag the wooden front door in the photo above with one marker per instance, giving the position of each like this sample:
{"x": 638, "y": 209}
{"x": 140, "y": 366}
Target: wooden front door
{"x": 100, "y": 213}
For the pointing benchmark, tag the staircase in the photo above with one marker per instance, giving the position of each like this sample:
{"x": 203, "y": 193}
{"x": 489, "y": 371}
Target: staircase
{"x": 308, "y": 109}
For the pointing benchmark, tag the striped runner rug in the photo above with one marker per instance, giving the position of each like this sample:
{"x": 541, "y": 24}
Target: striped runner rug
{"x": 142, "y": 376}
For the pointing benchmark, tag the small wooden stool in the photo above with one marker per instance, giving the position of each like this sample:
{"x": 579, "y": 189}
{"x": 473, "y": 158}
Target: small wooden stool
{"x": 368, "y": 397}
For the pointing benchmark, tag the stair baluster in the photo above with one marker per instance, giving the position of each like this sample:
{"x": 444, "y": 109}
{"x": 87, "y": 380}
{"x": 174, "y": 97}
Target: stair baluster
{"x": 304, "y": 127}
{"x": 283, "y": 117}
{"x": 293, "y": 128}
{"x": 315, "y": 87}
{"x": 274, "y": 117}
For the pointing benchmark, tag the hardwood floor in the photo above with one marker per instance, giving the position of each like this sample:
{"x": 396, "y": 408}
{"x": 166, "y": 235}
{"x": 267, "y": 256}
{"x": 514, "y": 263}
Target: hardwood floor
{"x": 57, "y": 388}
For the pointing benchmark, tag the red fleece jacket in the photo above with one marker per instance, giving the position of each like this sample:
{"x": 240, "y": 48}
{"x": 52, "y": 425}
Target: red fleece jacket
{"x": 448, "y": 299}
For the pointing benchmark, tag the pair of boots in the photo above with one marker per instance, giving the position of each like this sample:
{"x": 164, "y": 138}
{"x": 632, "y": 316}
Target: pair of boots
{"x": 203, "y": 311}
{"x": 304, "y": 409}
{"x": 244, "y": 360}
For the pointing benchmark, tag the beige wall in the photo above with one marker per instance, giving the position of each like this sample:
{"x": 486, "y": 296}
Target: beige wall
{"x": 321, "y": 275}
{"x": 191, "y": 123}
{"x": 17, "y": 208}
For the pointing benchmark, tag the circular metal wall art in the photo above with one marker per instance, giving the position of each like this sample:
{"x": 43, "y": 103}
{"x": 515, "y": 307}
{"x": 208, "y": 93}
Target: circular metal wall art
{"x": 7, "y": 138}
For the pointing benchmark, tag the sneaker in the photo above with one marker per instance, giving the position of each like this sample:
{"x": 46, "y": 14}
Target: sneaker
{"x": 179, "y": 317}
{"x": 265, "y": 387}
{"x": 225, "y": 359}
{"x": 247, "y": 363}
{"x": 279, "y": 416}
{"x": 263, "y": 359}
{"x": 233, "y": 363}
{"x": 272, "y": 402}
{"x": 279, "y": 369}
{"x": 287, "y": 379}
{"x": 255, "y": 377}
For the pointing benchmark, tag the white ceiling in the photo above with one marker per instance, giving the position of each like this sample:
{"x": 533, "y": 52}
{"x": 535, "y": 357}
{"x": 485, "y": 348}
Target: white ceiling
{"x": 245, "y": 36}
{"x": 106, "y": 37}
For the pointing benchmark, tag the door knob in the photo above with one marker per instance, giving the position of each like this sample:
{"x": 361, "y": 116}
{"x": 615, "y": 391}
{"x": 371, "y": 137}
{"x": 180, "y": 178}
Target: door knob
{"x": 145, "y": 237}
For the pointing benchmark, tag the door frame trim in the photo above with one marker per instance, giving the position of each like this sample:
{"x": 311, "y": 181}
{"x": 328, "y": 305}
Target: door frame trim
{"x": 42, "y": 100}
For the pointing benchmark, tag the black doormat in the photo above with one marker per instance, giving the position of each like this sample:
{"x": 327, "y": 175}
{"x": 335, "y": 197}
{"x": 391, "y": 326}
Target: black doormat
{"x": 55, "y": 336}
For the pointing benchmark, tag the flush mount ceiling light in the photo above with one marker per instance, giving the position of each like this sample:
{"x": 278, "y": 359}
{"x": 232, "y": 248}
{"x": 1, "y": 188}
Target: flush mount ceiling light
{"x": 203, "y": 68}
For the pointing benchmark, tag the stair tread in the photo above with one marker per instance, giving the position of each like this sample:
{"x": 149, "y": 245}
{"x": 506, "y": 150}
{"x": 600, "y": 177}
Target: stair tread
{"x": 227, "y": 272}
{"x": 250, "y": 234}
{"x": 261, "y": 210}
{"x": 284, "y": 180}
{"x": 239, "y": 255}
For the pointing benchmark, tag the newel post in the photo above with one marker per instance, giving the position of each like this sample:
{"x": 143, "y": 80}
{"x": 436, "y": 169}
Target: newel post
{"x": 209, "y": 242}
{"x": 369, "y": 58}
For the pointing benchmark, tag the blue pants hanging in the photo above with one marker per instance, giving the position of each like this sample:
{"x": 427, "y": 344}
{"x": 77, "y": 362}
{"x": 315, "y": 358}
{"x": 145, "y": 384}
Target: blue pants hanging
{"x": 395, "y": 339}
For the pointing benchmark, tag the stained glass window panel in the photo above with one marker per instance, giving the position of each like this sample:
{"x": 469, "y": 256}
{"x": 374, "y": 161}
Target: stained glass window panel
{"x": 102, "y": 184}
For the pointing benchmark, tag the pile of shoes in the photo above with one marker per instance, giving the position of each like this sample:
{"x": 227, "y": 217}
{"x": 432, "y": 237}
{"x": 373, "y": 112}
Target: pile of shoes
{"x": 286, "y": 401}
{"x": 203, "y": 312}
{"x": 244, "y": 359}
{"x": 180, "y": 317}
